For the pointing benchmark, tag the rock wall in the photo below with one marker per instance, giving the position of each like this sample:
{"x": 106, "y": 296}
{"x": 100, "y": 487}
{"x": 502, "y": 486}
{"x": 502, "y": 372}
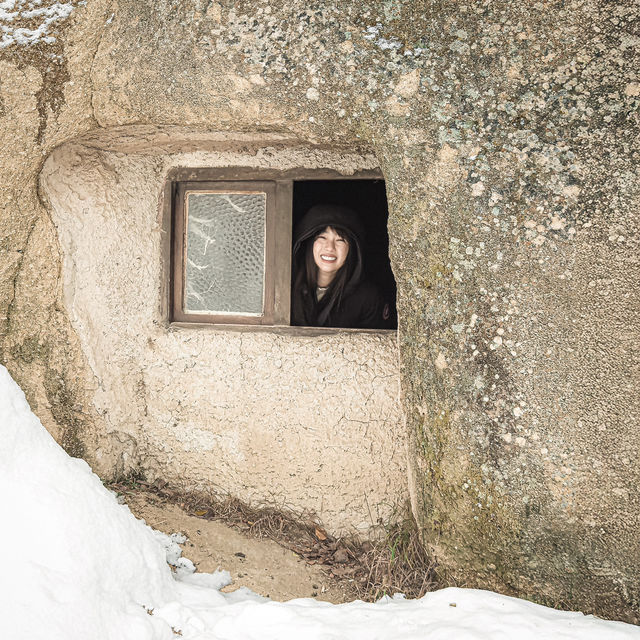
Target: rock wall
{"x": 508, "y": 136}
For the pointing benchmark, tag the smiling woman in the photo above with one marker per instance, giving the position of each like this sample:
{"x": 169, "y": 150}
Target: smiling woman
{"x": 329, "y": 288}
{"x": 330, "y": 251}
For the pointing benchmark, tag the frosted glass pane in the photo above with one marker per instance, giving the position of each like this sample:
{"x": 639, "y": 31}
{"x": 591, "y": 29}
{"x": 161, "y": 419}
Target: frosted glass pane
{"x": 224, "y": 271}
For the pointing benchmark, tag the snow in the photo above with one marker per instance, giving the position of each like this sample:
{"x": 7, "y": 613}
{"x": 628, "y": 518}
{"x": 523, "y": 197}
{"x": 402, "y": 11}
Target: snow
{"x": 78, "y": 565}
{"x": 371, "y": 34}
{"x": 13, "y": 13}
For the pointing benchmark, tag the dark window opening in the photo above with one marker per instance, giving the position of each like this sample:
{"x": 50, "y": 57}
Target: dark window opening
{"x": 368, "y": 199}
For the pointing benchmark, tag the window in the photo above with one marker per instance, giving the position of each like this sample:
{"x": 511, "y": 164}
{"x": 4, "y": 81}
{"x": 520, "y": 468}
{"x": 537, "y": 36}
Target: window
{"x": 232, "y": 236}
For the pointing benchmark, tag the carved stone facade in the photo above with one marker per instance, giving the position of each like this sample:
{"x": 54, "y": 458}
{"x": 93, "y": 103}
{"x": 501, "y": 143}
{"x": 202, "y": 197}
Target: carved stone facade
{"x": 508, "y": 137}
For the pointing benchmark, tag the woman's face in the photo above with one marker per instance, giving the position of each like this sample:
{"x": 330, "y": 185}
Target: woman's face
{"x": 330, "y": 252}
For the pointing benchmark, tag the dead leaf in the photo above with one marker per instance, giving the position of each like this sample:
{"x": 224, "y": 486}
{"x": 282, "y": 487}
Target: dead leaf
{"x": 320, "y": 534}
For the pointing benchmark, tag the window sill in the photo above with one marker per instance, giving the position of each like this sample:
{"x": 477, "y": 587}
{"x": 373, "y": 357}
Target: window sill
{"x": 284, "y": 330}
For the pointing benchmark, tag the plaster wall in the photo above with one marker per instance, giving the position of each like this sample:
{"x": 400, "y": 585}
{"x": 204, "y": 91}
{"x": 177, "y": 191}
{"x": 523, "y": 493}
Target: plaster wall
{"x": 305, "y": 420}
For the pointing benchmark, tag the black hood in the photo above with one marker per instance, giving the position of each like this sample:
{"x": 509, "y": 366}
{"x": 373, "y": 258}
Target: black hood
{"x": 322, "y": 216}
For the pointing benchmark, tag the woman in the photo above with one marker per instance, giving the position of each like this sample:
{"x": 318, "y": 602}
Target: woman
{"x": 328, "y": 287}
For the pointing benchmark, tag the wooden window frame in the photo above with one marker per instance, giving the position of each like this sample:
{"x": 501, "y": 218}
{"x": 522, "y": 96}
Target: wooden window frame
{"x": 181, "y": 218}
{"x": 278, "y": 234}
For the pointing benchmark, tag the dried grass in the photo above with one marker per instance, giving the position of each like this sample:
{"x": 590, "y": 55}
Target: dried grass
{"x": 397, "y": 562}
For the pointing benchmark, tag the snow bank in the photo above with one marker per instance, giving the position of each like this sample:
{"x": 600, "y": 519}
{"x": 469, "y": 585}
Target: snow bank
{"x": 78, "y": 565}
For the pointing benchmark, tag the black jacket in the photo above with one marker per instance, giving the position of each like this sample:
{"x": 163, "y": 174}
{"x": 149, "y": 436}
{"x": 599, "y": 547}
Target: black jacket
{"x": 361, "y": 304}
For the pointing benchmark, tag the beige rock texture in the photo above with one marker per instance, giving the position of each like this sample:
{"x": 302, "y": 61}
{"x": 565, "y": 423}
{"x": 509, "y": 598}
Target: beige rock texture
{"x": 507, "y": 134}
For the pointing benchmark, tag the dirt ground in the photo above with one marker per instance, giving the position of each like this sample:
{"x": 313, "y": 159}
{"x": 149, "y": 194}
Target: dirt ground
{"x": 262, "y": 565}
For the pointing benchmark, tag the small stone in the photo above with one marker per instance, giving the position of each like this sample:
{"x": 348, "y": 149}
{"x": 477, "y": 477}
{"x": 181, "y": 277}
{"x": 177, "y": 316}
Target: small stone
{"x": 556, "y": 223}
{"x": 572, "y": 192}
{"x": 313, "y": 94}
{"x": 477, "y": 189}
{"x": 408, "y": 84}
{"x": 632, "y": 89}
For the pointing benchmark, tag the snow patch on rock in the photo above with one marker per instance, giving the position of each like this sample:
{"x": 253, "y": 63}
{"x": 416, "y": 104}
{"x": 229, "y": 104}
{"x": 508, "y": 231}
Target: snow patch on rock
{"x": 25, "y": 22}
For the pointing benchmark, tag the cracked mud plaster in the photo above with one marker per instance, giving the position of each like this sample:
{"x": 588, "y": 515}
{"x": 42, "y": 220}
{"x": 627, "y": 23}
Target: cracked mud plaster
{"x": 308, "y": 423}
{"x": 508, "y": 136}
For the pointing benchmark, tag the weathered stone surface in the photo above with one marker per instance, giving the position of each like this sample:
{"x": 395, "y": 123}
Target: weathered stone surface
{"x": 508, "y": 136}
